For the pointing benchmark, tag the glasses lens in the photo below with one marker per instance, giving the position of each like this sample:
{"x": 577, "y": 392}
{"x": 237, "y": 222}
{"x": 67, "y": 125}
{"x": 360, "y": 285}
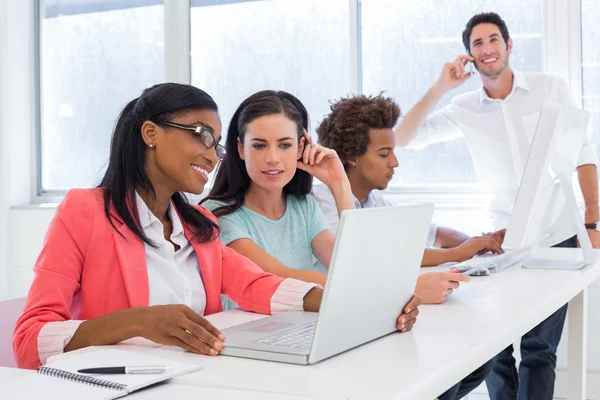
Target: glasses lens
{"x": 220, "y": 152}
{"x": 207, "y": 138}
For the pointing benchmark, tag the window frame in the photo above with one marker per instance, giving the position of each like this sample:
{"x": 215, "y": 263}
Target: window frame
{"x": 561, "y": 54}
{"x": 175, "y": 71}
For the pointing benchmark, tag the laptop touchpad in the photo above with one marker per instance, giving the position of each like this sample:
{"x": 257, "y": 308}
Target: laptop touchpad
{"x": 269, "y": 327}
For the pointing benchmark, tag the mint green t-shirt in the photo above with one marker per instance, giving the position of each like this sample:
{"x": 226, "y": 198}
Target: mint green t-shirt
{"x": 288, "y": 239}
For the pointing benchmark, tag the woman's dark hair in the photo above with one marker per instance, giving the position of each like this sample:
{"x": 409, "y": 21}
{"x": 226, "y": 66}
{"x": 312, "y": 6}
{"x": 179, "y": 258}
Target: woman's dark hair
{"x": 232, "y": 181}
{"x": 484, "y": 18}
{"x": 126, "y": 173}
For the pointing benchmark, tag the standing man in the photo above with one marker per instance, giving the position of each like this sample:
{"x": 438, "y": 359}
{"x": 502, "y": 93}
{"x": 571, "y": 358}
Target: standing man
{"x": 482, "y": 116}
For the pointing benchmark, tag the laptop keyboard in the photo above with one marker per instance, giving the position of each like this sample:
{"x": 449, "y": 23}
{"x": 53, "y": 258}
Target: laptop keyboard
{"x": 299, "y": 338}
{"x": 497, "y": 262}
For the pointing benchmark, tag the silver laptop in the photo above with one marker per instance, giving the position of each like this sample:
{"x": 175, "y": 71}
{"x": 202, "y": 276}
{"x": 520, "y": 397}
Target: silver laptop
{"x": 373, "y": 273}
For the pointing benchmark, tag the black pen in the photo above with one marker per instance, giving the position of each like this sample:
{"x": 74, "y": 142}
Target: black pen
{"x": 140, "y": 369}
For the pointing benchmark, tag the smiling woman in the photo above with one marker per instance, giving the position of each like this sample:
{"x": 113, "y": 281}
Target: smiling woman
{"x": 151, "y": 266}
{"x": 161, "y": 153}
{"x": 203, "y": 132}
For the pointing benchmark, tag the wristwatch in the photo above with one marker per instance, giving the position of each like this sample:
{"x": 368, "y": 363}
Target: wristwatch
{"x": 590, "y": 226}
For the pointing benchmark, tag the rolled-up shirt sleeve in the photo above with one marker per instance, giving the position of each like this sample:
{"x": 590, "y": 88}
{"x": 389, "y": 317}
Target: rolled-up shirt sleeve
{"x": 439, "y": 127}
{"x": 431, "y": 236}
{"x": 289, "y": 296}
{"x": 562, "y": 91}
{"x": 588, "y": 155}
{"x": 54, "y": 337}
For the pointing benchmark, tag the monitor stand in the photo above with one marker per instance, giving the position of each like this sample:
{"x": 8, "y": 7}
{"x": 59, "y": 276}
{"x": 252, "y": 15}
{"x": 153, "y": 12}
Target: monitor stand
{"x": 589, "y": 256}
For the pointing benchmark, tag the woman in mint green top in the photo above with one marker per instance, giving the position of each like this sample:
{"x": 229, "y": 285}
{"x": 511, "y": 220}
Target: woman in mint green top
{"x": 287, "y": 239}
{"x": 262, "y": 191}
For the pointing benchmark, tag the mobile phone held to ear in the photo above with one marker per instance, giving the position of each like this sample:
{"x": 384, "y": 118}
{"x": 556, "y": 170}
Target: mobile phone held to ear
{"x": 470, "y": 68}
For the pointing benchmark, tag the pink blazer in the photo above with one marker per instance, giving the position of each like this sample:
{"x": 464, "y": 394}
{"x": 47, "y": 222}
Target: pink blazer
{"x": 85, "y": 259}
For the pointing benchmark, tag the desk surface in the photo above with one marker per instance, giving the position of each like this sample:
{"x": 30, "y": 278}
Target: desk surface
{"x": 447, "y": 343}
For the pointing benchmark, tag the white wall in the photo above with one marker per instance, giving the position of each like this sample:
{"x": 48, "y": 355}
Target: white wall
{"x": 17, "y": 119}
{"x": 28, "y": 226}
{"x": 4, "y": 174}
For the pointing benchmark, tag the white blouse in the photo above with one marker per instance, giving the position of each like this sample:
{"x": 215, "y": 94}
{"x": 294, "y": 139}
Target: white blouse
{"x": 174, "y": 276}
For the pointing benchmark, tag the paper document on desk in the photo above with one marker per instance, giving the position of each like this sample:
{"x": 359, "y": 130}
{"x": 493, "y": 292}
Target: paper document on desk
{"x": 60, "y": 379}
{"x": 37, "y": 386}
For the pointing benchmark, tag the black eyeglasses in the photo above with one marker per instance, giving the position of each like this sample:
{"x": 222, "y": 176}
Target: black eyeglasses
{"x": 204, "y": 135}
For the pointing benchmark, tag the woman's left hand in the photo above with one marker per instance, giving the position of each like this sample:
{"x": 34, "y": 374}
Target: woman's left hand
{"x": 321, "y": 162}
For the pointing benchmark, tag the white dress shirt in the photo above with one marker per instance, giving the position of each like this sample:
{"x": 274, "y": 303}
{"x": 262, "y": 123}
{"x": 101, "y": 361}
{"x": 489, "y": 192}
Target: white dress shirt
{"x": 375, "y": 199}
{"x": 498, "y": 151}
{"x": 174, "y": 277}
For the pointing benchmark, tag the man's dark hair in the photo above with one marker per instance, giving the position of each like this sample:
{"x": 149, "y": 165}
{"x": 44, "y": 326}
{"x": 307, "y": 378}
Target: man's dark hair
{"x": 484, "y": 18}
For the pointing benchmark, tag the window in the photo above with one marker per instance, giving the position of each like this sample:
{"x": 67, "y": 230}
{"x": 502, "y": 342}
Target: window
{"x": 302, "y": 47}
{"x": 405, "y": 43}
{"x": 590, "y": 34}
{"x": 94, "y": 56}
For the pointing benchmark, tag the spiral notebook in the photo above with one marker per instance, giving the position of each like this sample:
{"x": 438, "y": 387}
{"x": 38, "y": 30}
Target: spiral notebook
{"x": 60, "y": 377}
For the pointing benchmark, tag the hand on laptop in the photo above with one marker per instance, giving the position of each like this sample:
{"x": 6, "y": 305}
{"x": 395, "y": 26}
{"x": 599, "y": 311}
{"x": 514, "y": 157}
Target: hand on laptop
{"x": 498, "y": 235}
{"x": 407, "y": 319}
{"x": 477, "y": 245}
{"x": 434, "y": 287}
{"x": 177, "y": 325}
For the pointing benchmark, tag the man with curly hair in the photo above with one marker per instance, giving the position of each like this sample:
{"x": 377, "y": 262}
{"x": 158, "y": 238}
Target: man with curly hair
{"x": 360, "y": 130}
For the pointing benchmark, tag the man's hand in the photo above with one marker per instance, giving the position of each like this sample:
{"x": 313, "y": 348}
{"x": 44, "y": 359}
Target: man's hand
{"x": 498, "y": 236}
{"x": 475, "y": 246}
{"x": 453, "y": 73}
{"x": 435, "y": 287}
{"x": 407, "y": 319}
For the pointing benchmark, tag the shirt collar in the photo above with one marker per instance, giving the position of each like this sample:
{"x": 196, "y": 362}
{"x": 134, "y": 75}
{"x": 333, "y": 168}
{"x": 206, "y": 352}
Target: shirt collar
{"x": 147, "y": 218}
{"x": 177, "y": 226}
{"x": 369, "y": 203}
{"x": 519, "y": 81}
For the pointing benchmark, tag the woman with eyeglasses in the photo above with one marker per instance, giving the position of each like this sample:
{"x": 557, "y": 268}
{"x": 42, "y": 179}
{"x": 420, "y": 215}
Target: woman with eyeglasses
{"x": 261, "y": 193}
{"x": 132, "y": 258}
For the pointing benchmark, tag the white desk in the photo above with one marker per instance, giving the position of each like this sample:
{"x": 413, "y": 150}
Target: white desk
{"x": 448, "y": 342}
{"x": 158, "y": 392}
{"x": 8, "y": 374}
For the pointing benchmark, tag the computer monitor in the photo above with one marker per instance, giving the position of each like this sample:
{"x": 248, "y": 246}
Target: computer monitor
{"x": 545, "y": 194}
